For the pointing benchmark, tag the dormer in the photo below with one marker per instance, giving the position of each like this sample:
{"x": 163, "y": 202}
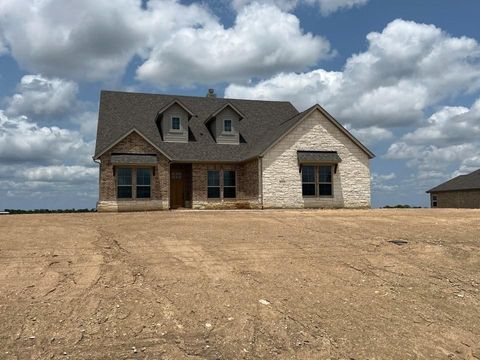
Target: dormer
{"x": 223, "y": 124}
{"x": 173, "y": 120}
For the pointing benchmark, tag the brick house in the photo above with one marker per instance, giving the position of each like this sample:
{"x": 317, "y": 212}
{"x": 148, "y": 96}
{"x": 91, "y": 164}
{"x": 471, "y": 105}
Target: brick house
{"x": 460, "y": 192}
{"x": 166, "y": 152}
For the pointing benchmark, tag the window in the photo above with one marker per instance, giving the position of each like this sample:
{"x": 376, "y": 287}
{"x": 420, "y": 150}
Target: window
{"x": 325, "y": 180}
{"x": 434, "y": 201}
{"x": 213, "y": 186}
{"x": 227, "y": 125}
{"x": 124, "y": 183}
{"x": 143, "y": 183}
{"x": 308, "y": 180}
{"x": 317, "y": 180}
{"x": 229, "y": 184}
{"x": 175, "y": 123}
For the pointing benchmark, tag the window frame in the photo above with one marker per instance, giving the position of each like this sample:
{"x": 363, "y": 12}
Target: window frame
{"x": 176, "y": 117}
{"x": 149, "y": 186}
{"x": 325, "y": 182}
{"x": 229, "y": 186}
{"x": 219, "y": 186}
{"x": 231, "y": 126}
{"x": 434, "y": 200}
{"x": 117, "y": 178}
{"x": 134, "y": 181}
{"x": 317, "y": 181}
{"x": 314, "y": 183}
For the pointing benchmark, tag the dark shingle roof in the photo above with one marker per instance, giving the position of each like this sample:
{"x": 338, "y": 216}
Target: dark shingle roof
{"x": 264, "y": 122}
{"x": 318, "y": 156}
{"x": 463, "y": 182}
{"x": 120, "y": 112}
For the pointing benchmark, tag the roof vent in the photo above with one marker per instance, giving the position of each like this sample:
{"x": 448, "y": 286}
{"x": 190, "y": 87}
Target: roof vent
{"x": 211, "y": 93}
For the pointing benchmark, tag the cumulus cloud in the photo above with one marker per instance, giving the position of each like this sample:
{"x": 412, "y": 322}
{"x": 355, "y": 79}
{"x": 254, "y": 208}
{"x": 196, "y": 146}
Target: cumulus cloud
{"x": 326, "y": 7}
{"x": 44, "y": 166}
{"x": 176, "y": 43}
{"x": 252, "y": 47}
{"x": 60, "y": 173}
{"x": 22, "y": 140}
{"x": 40, "y": 96}
{"x": 382, "y": 182}
{"x": 407, "y": 68}
{"x": 371, "y": 135}
{"x": 87, "y": 122}
{"x": 449, "y": 139}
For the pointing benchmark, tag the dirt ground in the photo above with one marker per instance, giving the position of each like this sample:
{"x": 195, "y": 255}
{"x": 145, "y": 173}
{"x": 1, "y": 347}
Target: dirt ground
{"x": 241, "y": 285}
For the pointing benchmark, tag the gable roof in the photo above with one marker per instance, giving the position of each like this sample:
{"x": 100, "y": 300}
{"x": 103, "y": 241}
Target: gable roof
{"x": 175, "y": 101}
{"x": 463, "y": 182}
{"x": 263, "y": 124}
{"x": 290, "y": 124}
{"x": 228, "y": 104}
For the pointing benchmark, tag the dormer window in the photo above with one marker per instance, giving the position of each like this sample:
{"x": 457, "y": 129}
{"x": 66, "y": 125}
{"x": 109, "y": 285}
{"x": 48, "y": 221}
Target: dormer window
{"x": 227, "y": 125}
{"x": 175, "y": 123}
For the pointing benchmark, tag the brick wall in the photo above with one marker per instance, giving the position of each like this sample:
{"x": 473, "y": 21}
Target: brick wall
{"x": 458, "y": 199}
{"x": 282, "y": 186}
{"x": 247, "y": 186}
{"x": 108, "y": 201}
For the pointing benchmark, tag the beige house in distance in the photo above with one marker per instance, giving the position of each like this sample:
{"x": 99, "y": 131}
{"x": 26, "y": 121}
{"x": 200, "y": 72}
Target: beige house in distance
{"x": 167, "y": 152}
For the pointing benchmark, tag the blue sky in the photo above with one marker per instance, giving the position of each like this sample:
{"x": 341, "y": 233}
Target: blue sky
{"x": 402, "y": 75}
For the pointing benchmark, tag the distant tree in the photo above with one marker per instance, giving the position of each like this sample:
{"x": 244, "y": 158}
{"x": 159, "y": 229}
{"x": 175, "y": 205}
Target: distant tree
{"x": 400, "y": 206}
{"x": 49, "y": 211}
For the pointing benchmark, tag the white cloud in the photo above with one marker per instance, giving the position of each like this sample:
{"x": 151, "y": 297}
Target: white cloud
{"x": 380, "y": 182}
{"x": 326, "y": 7}
{"x": 41, "y": 96}
{"x": 252, "y": 47}
{"x": 179, "y": 44}
{"x": 61, "y": 173}
{"x": 449, "y": 139}
{"x": 407, "y": 68}
{"x": 372, "y": 134}
{"x": 23, "y": 141}
{"x": 87, "y": 122}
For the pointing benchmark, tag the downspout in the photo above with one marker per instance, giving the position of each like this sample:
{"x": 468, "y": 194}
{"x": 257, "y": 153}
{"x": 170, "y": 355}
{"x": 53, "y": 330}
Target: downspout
{"x": 260, "y": 179}
{"x": 99, "y": 168}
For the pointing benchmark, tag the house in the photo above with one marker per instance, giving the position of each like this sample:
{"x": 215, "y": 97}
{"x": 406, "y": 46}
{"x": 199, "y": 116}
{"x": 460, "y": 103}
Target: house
{"x": 460, "y": 192}
{"x": 167, "y": 152}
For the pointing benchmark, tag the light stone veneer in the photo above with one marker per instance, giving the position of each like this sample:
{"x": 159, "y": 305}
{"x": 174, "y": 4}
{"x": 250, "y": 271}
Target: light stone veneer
{"x": 282, "y": 183}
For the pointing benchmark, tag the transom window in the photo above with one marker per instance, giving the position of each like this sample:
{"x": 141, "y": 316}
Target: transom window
{"x": 213, "y": 186}
{"x": 317, "y": 180}
{"x": 143, "y": 182}
{"x": 124, "y": 183}
{"x": 229, "y": 185}
{"x": 227, "y": 125}
{"x": 175, "y": 123}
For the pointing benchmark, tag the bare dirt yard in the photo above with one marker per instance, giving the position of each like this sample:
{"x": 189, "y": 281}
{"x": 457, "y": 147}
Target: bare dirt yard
{"x": 241, "y": 285}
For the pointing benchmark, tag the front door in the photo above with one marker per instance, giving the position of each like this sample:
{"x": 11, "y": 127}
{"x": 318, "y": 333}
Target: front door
{"x": 180, "y": 185}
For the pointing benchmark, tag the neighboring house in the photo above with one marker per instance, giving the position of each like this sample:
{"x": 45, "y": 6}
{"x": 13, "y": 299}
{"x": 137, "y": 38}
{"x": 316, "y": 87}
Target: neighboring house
{"x": 460, "y": 192}
{"x": 167, "y": 152}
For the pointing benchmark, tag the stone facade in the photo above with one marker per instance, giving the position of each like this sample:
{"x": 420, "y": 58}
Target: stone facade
{"x": 282, "y": 185}
{"x": 247, "y": 186}
{"x": 135, "y": 144}
{"x": 469, "y": 199}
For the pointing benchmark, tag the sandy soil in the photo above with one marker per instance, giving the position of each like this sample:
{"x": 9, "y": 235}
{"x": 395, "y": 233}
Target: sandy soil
{"x": 241, "y": 285}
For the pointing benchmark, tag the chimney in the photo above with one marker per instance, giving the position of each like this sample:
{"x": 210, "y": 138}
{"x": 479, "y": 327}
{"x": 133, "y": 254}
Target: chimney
{"x": 211, "y": 93}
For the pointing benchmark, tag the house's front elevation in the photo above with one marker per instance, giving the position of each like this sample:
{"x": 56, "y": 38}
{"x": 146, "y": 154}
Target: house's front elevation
{"x": 167, "y": 152}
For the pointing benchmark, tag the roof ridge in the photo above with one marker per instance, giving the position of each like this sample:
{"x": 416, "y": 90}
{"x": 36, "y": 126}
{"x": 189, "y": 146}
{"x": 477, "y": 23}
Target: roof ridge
{"x": 195, "y": 97}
